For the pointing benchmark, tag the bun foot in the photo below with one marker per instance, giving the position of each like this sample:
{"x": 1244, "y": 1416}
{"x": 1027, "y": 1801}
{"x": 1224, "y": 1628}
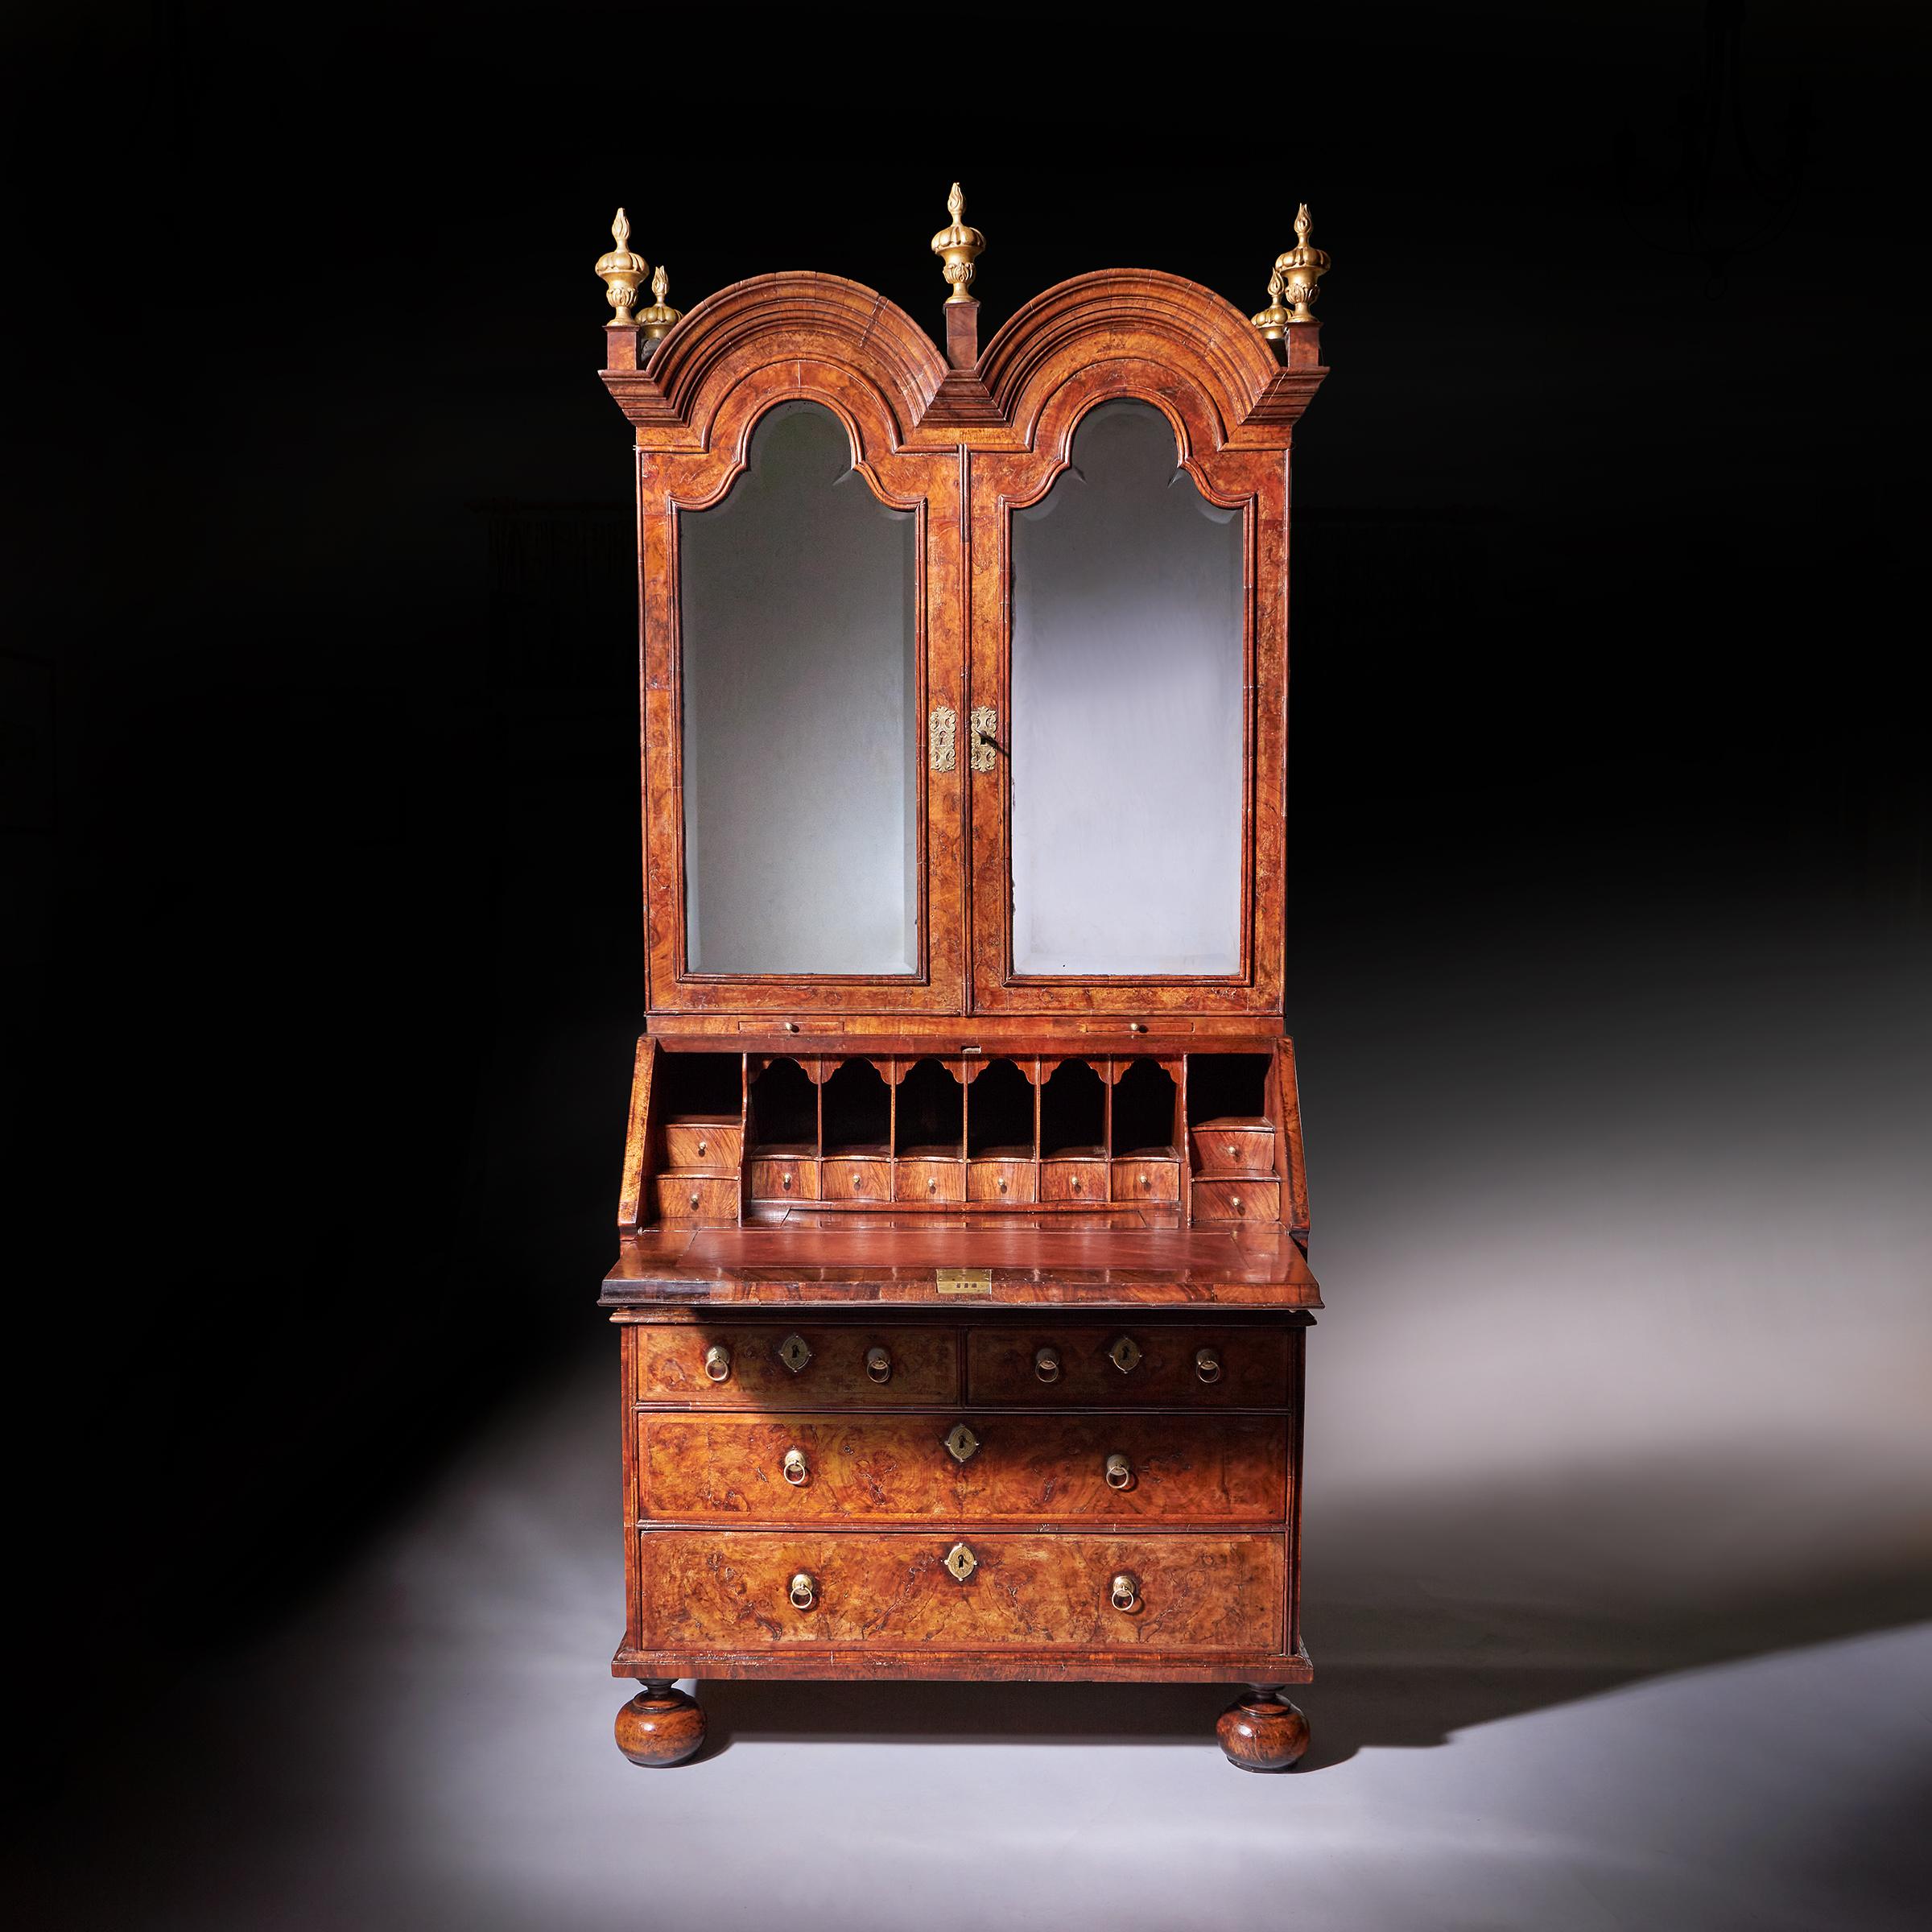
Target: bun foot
{"x": 1261, "y": 1731}
{"x": 660, "y": 1726}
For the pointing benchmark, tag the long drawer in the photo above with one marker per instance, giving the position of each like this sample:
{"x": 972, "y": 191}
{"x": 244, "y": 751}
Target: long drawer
{"x": 745, "y": 1590}
{"x": 1128, "y": 1365}
{"x": 812, "y": 1365}
{"x": 1016, "y": 1469}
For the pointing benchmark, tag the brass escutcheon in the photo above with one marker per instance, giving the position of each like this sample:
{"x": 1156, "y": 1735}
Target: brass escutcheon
{"x": 1124, "y": 1351}
{"x": 961, "y": 1561}
{"x": 794, "y": 1352}
{"x": 961, "y": 1443}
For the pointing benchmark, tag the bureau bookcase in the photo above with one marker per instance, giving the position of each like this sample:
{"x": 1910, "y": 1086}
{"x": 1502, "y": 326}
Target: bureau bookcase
{"x": 962, "y": 1284}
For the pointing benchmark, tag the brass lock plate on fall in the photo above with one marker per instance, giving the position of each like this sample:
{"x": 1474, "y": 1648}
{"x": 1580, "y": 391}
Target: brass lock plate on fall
{"x": 962, "y": 1281}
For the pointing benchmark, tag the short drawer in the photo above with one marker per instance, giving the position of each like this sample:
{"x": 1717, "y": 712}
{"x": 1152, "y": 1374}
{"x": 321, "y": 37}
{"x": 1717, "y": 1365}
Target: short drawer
{"x": 845, "y": 1179}
{"x": 697, "y": 1197}
{"x": 1128, "y": 1365}
{"x": 1018, "y": 1469}
{"x": 745, "y": 1590}
{"x": 1144, "y": 1180}
{"x": 929, "y": 1180}
{"x": 1233, "y": 1146}
{"x": 851, "y": 1366}
{"x": 1001, "y": 1181}
{"x": 715, "y": 1147}
{"x": 779, "y": 1179}
{"x": 1220, "y": 1201}
{"x": 1074, "y": 1181}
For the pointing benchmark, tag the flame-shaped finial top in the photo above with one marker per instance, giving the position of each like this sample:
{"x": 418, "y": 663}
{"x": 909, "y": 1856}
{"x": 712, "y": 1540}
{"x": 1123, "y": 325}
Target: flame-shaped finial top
{"x": 659, "y": 283}
{"x": 957, "y": 246}
{"x": 1301, "y": 224}
{"x": 622, "y": 272}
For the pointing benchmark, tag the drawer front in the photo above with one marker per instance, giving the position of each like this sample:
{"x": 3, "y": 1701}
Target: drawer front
{"x": 846, "y": 1179}
{"x": 1219, "y": 1201}
{"x": 696, "y": 1197}
{"x": 1000, "y": 1181}
{"x": 1248, "y": 1368}
{"x": 731, "y": 1590}
{"x": 1073, "y": 1181}
{"x": 1229, "y": 1147}
{"x": 1146, "y": 1180}
{"x": 1026, "y": 1469}
{"x": 709, "y": 1146}
{"x": 922, "y": 1366}
{"x": 782, "y": 1180}
{"x": 929, "y": 1180}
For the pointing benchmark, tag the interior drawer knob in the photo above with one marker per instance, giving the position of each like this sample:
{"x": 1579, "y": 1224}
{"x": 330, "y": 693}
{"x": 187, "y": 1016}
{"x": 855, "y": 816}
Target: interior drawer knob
{"x": 962, "y": 1445}
{"x": 932, "y": 1185}
{"x": 795, "y": 1471}
{"x": 1234, "y": 1153}
{"x": 878, "y": 1365}
{"x": 1002, "y": 1183}
{"x": 695, "y": 1197}
{"x": 1124, "y": 1351}
{"x": 795, "y": 1352}
{"x": 1075, "y": 1184}
{"x": 1207, "y": 1364}
{"x": 1234, "y": 1203}
{"x": 717, "y": 1362}
{"x": 1046, "y": 1364}
{"x": 804, "y": 1592}
{"x": 1125, "y": 1592}
{"x": 1119, "y": 1471}
{"x": 785, "y": 1183}
{"x": 701, "y": 1150}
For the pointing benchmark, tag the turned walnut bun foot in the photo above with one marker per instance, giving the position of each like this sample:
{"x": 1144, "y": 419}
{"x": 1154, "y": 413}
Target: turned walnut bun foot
{"x": 1261, "y": 1731}
{"x": 661, "y": 1725}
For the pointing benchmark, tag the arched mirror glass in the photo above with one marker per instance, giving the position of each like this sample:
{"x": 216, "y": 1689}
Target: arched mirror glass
{"x": 1126, "y": 701}
{"x": 799, "y": 641}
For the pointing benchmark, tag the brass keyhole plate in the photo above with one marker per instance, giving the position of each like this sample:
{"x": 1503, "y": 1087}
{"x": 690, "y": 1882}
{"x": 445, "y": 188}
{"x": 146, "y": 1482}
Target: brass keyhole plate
{"x": 961, "y": 1443}
{"x": 961, "y": 1561}
{"x": 794, "y": 1352}
{"x": 1123, "y": 1353}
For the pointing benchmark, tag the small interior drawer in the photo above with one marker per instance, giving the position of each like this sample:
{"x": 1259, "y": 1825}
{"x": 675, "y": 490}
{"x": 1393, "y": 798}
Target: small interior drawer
{"x": 1233, "y": 1146}
{"x": 1145, "y": 1180}
{"x": 708, "y": 1147}
{"x": 925, "y": 1180}
{"x": 774, "y": 1177}
{"x": 1001, "y": 1181}
{"x": 1073, "y": 1181}
{"x": 844, "y": 1179}
{"x": 696, "y": 1197}
{"x": 1224, "y": 1201}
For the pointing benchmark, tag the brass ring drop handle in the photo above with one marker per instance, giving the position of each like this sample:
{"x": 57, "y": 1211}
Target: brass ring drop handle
{"x": 1119, "y": 1471}
{"x": 717, "y": 1362}
{"x": 1207, "y": 1364}
{"x": 878, "y": 1365}
{"x": 1125, "y": 1593}
{"x": 804, "y": 1590}
{"x": 795, "y": 1471}
{"x": 1046, "y": 1364}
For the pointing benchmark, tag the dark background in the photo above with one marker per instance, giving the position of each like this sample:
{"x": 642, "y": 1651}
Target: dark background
{"x": 321, "y": 869}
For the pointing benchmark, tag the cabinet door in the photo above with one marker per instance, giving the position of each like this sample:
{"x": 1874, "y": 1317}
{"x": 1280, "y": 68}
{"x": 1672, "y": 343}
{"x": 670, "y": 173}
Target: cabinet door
{"x": 1128, "y": 620}
{"x": 802, "y": 850}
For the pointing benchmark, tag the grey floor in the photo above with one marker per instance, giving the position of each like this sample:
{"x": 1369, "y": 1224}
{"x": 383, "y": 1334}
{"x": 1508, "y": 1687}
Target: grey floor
{"x": 1619, "y": 1544}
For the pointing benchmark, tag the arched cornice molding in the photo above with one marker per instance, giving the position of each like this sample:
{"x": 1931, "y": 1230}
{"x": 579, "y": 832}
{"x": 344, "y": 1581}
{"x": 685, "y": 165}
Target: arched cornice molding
{"x": 1150, "y": 314}
{"x": 825, "y": 317}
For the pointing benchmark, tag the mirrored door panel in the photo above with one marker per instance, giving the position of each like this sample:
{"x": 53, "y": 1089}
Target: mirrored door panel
{"x": 1126, "y": 706}
{"x": 800, "y": 695}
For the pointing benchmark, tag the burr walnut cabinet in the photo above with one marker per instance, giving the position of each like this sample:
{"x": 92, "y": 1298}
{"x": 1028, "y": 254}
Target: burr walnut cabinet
{"x": 962, "y": 1283}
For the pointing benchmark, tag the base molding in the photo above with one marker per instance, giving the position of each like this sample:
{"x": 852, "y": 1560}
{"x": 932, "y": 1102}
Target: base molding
{"x": 973, "y": 1667}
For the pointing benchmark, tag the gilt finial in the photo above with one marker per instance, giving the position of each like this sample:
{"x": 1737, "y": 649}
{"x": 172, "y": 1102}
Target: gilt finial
{"x": 1273, "y": 320}
{"x": 1301, "y": 266}
{"x": 622, "y": 272}
{"x": 656, "y": 320}
{"x": 957, "y": 247}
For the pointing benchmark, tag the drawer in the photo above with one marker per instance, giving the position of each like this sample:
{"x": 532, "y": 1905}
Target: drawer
{"x": 1233, "y": 1146}
{"x": 697, "y": 1197}
{"x": 929, "y": 1180}
{"x": 921, "y": 1366}
{"x": 1074, "y": 1181}
{"x": 779, "y": 1179}
{"x": 1248, "y": 1368}
{"x": 1001, "y": 1181}
{"x": 732, "y": 1590}
{"x": 845, "y": 1179}
{"x": 712, "y": 1146}
{"x": 1146, "y": 1180}
{"x": 1026, "y": 1469}
{"x": 1217, "y": 1201}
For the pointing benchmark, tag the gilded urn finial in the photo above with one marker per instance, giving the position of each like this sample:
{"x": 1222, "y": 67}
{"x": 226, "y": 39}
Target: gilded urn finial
{"x": 622, "y": 272}
{"x": 656, "y": 319}
{"x": 957, "y": 247}
{"x": 1273, "y": 320}
{"x": 1301, "y": 266}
